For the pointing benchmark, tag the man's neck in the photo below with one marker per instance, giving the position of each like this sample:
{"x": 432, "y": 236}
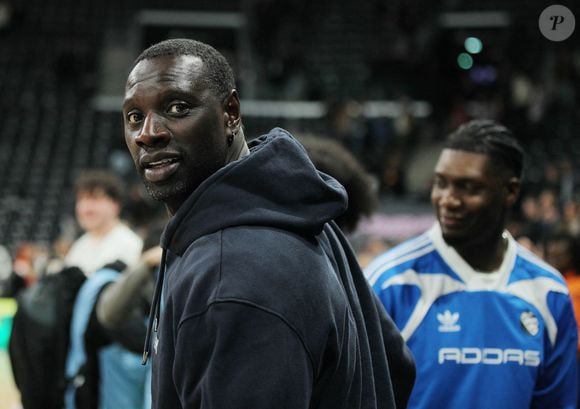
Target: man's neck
{"x": 239, "y": 148}
{"x": 485, "y": 257}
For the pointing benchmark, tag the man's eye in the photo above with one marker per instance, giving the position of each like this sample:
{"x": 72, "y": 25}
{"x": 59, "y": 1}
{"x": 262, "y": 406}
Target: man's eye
{"x": 439, "y": 183}
{"x": 471, "y": 187}
{"x": 178, "y": 108}
{"x": 134, "y": 117}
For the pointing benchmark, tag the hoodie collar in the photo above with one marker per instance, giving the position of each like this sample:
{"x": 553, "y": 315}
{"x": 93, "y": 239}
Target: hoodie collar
{"x": 276, "y": 185}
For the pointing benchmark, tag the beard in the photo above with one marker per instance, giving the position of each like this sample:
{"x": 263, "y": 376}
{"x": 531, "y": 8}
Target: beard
{"x": 168, "y": 192}
{"x": 180, "y": 185}
{"x": 453, "y": 239}
{"x": 476, "y": 236}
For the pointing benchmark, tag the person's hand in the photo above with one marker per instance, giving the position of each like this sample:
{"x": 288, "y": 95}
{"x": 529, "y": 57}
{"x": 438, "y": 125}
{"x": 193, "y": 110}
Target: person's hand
{"x": 152, "y": 257}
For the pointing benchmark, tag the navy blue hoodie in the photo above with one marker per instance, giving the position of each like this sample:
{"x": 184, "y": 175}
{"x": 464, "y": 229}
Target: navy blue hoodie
{"x": 264, "y": 305}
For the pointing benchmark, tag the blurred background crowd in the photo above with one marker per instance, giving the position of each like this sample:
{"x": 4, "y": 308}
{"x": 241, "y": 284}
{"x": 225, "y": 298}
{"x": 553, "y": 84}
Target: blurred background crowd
{"x": 386, "y": 80}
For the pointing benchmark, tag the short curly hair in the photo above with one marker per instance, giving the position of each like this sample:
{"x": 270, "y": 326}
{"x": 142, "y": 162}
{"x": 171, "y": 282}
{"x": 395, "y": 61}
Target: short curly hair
{"x": 219, "y": 75}
{"x": 492, "y": 139}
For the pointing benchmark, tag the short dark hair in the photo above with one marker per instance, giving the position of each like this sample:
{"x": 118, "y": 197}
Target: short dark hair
{"x": 218, "y": 73}
{"x": 91, "y": 180}
{"x": 492, "y": 139}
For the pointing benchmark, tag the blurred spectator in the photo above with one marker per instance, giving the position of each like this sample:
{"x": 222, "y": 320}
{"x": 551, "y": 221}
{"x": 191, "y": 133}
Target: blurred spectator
{"x": 540, "y": 216}
{"x": 104, "y": 361}
{"x": 567, "y": 182}
{"x": 5, "y": 263}
{"x": 103, "y": 365}
{"x": 99, "y": 198}
{"x": 549, "y": 212}
{"x": 120, "y": 314}
{"x": 532, "y": 225}
{"x": 570, "y": 221}
{"x": 562, "y": 253}
{"x": 29, "y": 261}
{"x": 113, "y": 332}
{"x": 529, "y": 244}
{"x": 551, "y": 180}
{"x": 106, "y": 240}
{"x": 332, "y": 158}
{"x": 134, "y": 288}
{"x": 60, "y": 248}
{"x": 10, "y": 282}
{"x": 347, "y": 125}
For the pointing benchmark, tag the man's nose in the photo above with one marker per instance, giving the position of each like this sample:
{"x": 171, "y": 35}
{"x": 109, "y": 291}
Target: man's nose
{"x": 153, "y": 132}
{"x": 449, "y": 198}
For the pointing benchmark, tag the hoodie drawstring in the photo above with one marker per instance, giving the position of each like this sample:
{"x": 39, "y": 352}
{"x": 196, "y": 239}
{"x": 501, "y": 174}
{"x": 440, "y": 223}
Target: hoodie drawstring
{"x": 155, "y": 308}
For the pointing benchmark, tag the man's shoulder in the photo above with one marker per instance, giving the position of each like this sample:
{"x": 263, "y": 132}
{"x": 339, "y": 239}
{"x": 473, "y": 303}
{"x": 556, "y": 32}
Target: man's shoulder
{"x": 264, "y": 255}
{"x": 81, "y": 240}
{"x": 271, "y": 269}
{"x": 268, "y": 243}
{"x": 80, "y": 247}
{"x": 531, "y": 266}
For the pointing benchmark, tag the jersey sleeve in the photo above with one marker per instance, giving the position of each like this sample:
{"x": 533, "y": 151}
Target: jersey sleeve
{"x": 557, "y": 385}
{"x": 239, "y": 356}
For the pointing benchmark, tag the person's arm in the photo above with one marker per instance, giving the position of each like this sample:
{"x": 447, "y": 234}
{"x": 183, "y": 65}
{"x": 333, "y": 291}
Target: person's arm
{"x": 236, "y": 355}
{"x": 119, "y": 298}
{"x": 130, "y": 335}
{"x": 557, "y": 385}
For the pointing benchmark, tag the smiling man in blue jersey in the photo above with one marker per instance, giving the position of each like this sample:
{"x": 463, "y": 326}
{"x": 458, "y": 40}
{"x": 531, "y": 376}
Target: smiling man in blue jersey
{"x": 490, "y": 324}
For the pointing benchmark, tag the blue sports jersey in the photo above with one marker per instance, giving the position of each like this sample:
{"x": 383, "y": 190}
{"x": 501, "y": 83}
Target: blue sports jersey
{"x": 505, "y": 339}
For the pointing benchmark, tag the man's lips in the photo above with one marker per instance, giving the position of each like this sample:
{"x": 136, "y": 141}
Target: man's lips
{"x": 159, "y": 167}
{"x": 451, "y": 221}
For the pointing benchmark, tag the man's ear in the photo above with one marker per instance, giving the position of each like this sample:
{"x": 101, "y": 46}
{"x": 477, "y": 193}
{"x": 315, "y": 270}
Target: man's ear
{"x": 232, "y": 118}
{"x": 512, "y": 187}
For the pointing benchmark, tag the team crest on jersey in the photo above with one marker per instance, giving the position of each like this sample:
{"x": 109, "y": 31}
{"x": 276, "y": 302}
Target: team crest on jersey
{"x": 448, "y": 321}
{"x": 529, "y": 322}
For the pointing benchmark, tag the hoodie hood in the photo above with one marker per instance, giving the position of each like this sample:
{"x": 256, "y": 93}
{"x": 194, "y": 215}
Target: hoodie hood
{"x": 276, "y": 185}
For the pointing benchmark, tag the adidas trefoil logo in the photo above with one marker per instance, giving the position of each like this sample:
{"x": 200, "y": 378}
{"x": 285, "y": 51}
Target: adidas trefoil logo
{"x": 448, "y": 321}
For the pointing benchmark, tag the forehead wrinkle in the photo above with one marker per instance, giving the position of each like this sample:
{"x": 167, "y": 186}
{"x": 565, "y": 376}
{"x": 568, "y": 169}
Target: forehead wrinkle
{"x": 183, "y": 66}
{"x": 166, "y": 77}
{"x": 180, "y": 78}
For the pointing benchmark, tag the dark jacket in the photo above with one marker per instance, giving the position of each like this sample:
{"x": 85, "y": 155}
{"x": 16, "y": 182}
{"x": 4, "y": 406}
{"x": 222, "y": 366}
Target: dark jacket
{"x": 264, "y": 305}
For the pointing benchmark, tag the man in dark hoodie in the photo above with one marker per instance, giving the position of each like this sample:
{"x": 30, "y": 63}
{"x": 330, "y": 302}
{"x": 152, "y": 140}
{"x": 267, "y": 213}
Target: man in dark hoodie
{"x": 260, "y": 302}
